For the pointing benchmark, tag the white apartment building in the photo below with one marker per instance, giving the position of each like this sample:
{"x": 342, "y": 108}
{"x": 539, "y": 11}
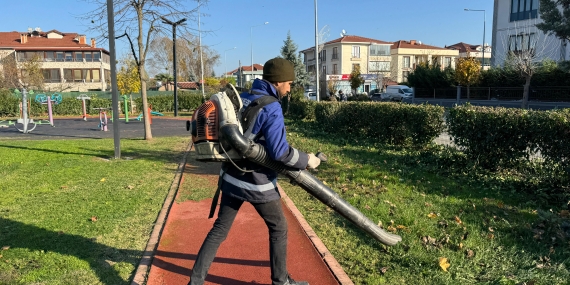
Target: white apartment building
{"x": 514, "y": 29}
{"x": 68, "y": 62}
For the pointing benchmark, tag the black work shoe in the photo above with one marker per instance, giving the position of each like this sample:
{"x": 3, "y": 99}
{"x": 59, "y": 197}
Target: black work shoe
{"x": 290, "y": 281}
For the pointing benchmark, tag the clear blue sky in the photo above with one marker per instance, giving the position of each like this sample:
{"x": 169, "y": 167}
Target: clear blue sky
{"x": 434, "y": 22}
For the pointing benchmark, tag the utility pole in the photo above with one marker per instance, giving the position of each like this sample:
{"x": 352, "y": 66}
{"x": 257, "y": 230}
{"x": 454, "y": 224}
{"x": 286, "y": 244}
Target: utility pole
{"x": 174, "y": 24}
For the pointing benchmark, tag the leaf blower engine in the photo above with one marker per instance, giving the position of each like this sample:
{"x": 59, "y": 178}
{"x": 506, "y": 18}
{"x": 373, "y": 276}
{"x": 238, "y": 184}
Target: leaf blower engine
{"x": 217, "y": 135}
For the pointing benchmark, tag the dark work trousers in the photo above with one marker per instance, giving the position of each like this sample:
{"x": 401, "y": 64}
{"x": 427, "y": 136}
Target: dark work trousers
{"x": 272, "y": 214}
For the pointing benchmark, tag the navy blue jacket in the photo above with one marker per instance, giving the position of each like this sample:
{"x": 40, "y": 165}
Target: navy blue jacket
{"x": 268, "y": 130}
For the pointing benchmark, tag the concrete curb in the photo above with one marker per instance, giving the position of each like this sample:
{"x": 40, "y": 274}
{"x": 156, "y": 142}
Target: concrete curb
{"x": 327, "y": 257}
{"x": 141, "y": 273}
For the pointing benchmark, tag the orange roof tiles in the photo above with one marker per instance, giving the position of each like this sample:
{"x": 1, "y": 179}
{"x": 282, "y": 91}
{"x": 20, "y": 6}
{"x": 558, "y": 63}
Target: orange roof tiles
{"x": 39, "y": 41}
{"x": 187, "y": 85}
{"x": 463, "y": 47}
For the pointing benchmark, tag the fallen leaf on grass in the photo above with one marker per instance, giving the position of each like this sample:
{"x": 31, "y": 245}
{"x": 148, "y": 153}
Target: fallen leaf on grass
{"x": 444, "y": 263}
{"x": 383, "y": 270}
{"x": 94, "y": 218}
{"x": 366, "y": 207}
{"x": 490, "y": 236}
{"x": 63, "y": 187}
{"x": 491, "y": 229}
{"x": 392, "y": 229}
{"x": 400, "y": 227}
{"x": 458, "y": 220}
{"x": 469, "y": 253}
{"x": 460, "y": 245}
{"x": 129, "y": 187}
{"x": 6, "y": 247}
{"x": 102, "y": 179}
{"x": 432, "y": 215}
{"x": 427, "y": 204}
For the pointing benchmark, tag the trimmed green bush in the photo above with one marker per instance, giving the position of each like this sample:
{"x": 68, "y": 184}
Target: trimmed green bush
{"x": 499, "y": 137}
{"x": 398, "y": 124}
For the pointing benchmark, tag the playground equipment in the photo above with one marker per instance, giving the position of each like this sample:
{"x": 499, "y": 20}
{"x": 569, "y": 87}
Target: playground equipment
{"x": 49, "y": 100}
{"x": 84, "y": 97}
{"x": 126, "y": 109}
{"x": 102, "y": 118}
{"x": 27, "y": 125}
{"x": 150, "y": 113}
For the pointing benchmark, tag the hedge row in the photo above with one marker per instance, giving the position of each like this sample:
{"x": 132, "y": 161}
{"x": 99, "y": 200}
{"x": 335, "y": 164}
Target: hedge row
{"x": 400, "y": 124}
{"x": 10, "y": 105}
{"x": 499, "y": 137}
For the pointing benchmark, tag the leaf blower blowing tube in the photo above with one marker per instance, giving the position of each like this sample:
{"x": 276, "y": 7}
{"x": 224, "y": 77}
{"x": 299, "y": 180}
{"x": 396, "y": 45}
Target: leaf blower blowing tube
{"x": 256, "y": 153}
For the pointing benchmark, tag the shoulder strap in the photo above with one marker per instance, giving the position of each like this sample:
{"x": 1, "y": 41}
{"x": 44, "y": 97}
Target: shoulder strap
{"x": 250, "y": 113}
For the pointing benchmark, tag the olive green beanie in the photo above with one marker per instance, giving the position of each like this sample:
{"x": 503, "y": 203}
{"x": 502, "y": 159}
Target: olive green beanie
{"x": 278, "y": 70}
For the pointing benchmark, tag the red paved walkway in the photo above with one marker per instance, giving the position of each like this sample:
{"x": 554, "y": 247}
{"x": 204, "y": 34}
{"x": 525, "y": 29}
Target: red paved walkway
{"x": 243, "y": 258}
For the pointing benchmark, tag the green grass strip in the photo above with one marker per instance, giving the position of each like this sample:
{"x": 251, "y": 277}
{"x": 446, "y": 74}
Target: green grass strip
{"x": 69, "y": 214}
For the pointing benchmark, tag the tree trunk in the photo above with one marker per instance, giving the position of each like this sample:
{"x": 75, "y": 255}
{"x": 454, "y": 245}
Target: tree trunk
{"x": 468, "y": 93}
{"x": 142, "y": 74}
{"x": 526, "y": 93}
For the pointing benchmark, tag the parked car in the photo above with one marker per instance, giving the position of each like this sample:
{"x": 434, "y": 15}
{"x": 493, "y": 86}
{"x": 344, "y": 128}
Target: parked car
{"x": 391, "y": 97}
{"x": 376, "y": 96}
{"x": 399, "y": 92}
{"x": 311, "y": 96}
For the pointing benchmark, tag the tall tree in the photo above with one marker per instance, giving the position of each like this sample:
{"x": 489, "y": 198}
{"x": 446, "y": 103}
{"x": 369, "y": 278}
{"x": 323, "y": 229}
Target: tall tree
{"x": 140, "y": 19}
{"x": 526, "y": 53}
{"x": 187, "y": 57}
{"x": 467, "y": 72}
{"x": 555, "y": 15}
{"x": 26, "y": 74}
{"x": 128, "y": 78}
{"x": 355, "y": 79}
{"x": 289, "y": 52}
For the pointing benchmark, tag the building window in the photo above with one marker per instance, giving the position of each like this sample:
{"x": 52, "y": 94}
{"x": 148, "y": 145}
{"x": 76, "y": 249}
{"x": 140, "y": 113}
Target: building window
{"x": 356, "y": 51}
{"x": 323, "y": 55}
{"x": 379, "y": 66}
{"x": 406, "y": 61}
{"x": 335, "y": 53}
{"x": 447, "y": 62}
{"x": 97, "y": 56}
{"x": 324, "y": 69}
{"x": 335, "y": 70}
{"x": 51, "y": 75}
{"x": 522, "y": 42}
{"x": 405, "y": 75}
{"x": 379, "y": 50}
{"x": 59, "y": 56}
{"x": 78, "y": 56}
{"x": 82, "y": 75}
{"x": 523, "y": 10}
{"x": 49, "y": 56}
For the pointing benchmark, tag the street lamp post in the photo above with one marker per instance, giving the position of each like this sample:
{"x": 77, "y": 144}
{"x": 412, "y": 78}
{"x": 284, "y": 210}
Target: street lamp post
{"x": 225, "y": 64}
{"x": 484, "y": 25}
{"x": 251, "y": 40}
{"x": 174, "y": 24}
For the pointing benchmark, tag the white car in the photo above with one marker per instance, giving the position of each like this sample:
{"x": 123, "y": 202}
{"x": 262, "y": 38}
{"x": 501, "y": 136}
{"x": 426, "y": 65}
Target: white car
{"x": 312, "y": 96}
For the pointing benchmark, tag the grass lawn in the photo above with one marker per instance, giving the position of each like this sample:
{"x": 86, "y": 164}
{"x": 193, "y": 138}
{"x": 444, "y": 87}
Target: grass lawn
{"x": 71, "y": 215}
{"x": 457, "y": 227}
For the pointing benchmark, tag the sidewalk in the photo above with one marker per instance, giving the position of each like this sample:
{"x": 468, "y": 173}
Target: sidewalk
{"x": 244, "y": 257}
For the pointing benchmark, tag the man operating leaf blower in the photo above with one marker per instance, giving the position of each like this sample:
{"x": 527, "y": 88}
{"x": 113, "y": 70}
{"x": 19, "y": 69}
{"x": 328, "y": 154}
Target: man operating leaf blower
{"x": 243, "y": 180}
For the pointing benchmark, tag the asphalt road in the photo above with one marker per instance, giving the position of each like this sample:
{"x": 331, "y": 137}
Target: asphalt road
{"x": 76, "y": 128}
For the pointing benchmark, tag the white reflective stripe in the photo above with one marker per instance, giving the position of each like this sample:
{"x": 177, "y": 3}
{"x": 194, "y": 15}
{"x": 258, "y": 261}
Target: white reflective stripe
{"x": 294, "y": 159}
{"x": 251, "y": 136}
{"x": 261, "y": 138}
{"x": 248, "y": 186}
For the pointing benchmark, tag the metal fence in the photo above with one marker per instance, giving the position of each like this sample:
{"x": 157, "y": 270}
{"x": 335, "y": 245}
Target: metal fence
{"x": 537, "y": 94}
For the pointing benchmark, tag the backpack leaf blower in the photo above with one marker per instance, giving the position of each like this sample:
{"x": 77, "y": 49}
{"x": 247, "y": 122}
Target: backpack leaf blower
{"x": 218, "y": 136}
